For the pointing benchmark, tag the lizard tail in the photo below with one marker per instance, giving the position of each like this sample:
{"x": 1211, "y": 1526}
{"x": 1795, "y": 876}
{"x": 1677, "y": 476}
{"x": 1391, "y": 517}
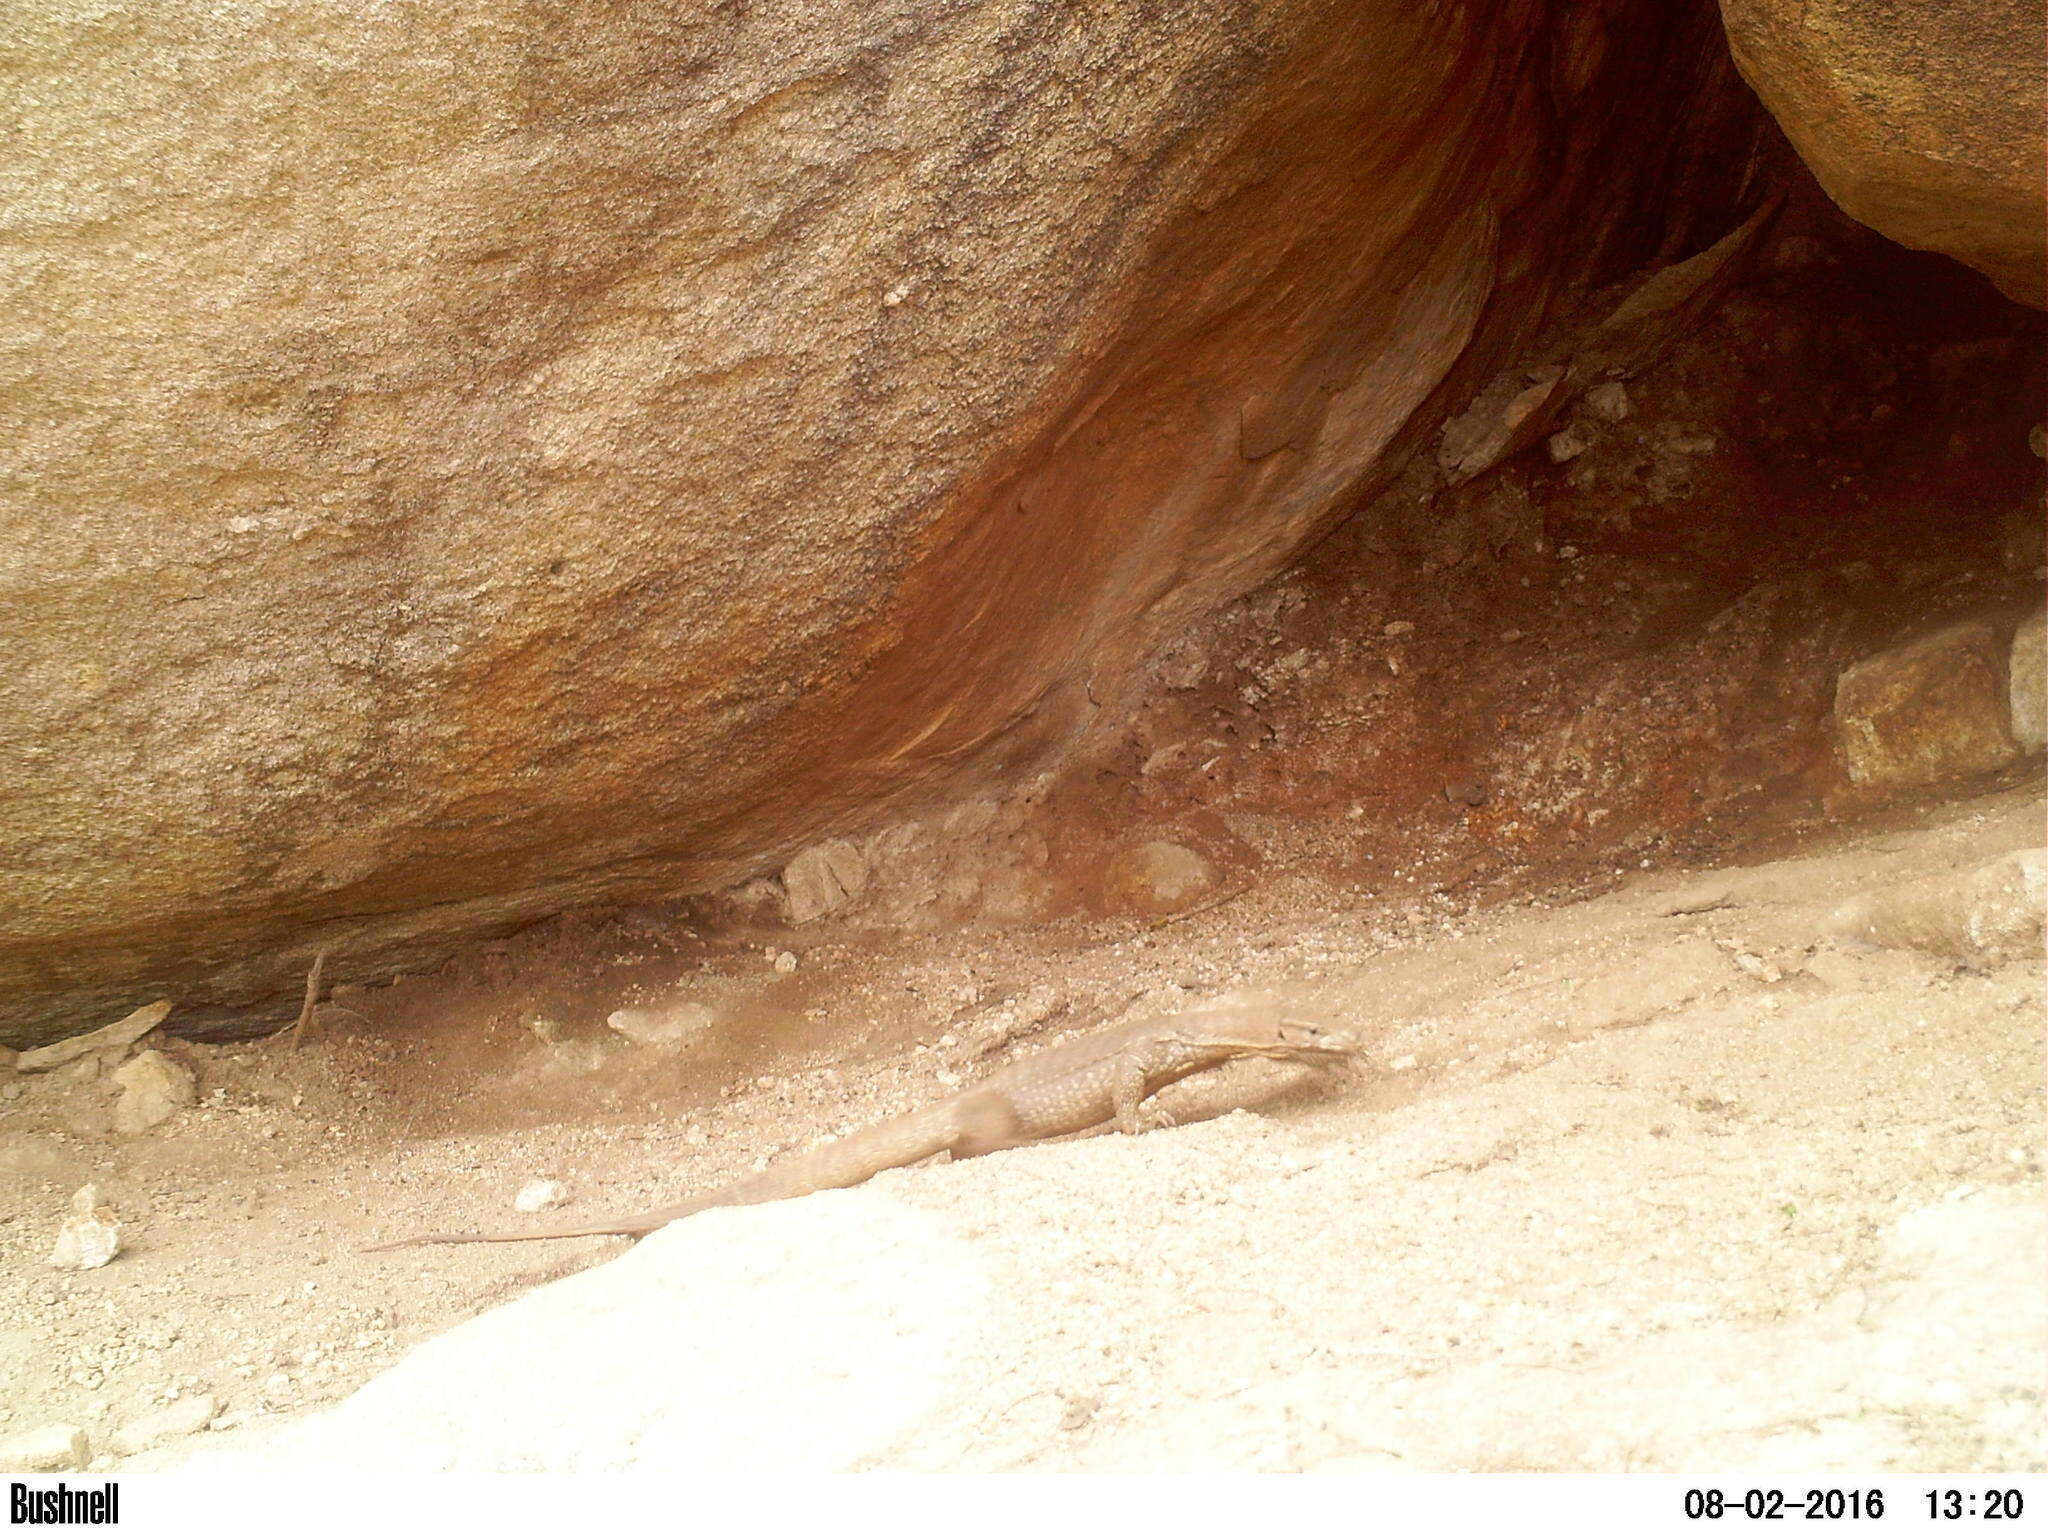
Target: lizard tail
{"x": 632, "y": 1229}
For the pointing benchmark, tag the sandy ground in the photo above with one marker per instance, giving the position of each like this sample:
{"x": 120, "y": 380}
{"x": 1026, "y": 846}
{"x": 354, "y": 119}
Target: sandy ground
{"x": 1673, "y": 1177}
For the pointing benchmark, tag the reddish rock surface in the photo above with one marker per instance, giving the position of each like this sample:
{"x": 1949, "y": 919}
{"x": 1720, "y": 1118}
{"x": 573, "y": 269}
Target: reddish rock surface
{"x": 1922, "y": 120}
{"x": 475, "y": 460}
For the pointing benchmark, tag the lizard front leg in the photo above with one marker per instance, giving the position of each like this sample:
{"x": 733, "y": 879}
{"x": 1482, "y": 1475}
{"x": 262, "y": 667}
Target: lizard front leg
{"x": 1135, "y": 1074}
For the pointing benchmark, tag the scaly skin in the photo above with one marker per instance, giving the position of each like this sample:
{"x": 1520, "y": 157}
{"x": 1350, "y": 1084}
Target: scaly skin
{"x": 1095, "y": 1083}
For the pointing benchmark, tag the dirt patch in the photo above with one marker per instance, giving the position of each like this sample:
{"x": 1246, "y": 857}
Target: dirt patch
{"x": 1682, "y": 1132}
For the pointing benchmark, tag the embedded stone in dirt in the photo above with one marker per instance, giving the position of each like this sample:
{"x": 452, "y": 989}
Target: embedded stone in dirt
{"x": 1927, "y": 711}
{"x": 1567, "y": 445}
{"x": 52, "y": 1448}
{"x": 821, "y": 880}
{"x": 1157, "y": 876}
{"x": 1608, "y": 402}
{"x": 154, "y": 1087}
{"x": 2027, "y": 690}
{"x": 37, "y": 1157}
{"x": 664, "y": 1028}
{"x": 1988, "y": 914}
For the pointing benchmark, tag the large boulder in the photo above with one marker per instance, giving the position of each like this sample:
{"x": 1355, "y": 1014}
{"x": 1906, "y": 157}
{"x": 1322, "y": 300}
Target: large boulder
{"x": 1922, "y": 118}
{"x": 466, "y": 460}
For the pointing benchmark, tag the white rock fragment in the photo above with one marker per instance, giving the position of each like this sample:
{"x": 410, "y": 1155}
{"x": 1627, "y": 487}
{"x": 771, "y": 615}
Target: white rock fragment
{"x": 185, "y": 1417}
{"x": 52, "y": 1448}
{"x": 665, "y": 1028}
{"x": 785, "y": 963}
{"x": 1164, "y": 758}
{"x": 90, "y": 1237}
{"x": 540, "y": 1195}
{"x": 154, "y": 1087}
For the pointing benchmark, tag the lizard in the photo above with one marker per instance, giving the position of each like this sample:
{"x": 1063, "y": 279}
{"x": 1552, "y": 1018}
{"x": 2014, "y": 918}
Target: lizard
{"x": 1096, "y": 1083}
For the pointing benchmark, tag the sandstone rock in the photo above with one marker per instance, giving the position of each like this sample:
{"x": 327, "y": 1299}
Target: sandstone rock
{"x": 1669, "y": 303}
{"x": 154, "y": 1087}
{"x": 1926, "y": 712}
{"x": 821, "y": 880}
{"x": 840, "y": 384}
{"x": 90, "y": 1236}
{"x": 1987, "y": 915}
{"x": 52, "y": 1448}
{"x": 1923, "y": 121}
{"x": 540, "y": 1195}
{"x": 114, "y": 1037}
{"x": 665, "y": 1027}
{"x": 185, "y": 1417}
{"x": 1157, "y": 876}
{"x": 1509, "y": 415}
{"x": 2028, "y": 683}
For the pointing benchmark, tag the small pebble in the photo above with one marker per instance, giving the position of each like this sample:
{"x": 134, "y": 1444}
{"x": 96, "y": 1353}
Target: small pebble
{"x": 540, "y": 1195}
{"x": 1566, "y": 446}
{"x": 785, "y": 963}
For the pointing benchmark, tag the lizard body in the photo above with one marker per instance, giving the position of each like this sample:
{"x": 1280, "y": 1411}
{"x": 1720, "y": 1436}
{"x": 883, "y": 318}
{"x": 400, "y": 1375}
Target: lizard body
{"x": 1090, "y": 1084}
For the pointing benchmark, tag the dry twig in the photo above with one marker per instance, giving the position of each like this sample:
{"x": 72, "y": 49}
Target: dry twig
{"x": 312, "y": 999}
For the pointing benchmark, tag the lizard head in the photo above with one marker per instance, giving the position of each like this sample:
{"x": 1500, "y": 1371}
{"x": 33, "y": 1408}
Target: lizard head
{"x": 1299, "y": 1037}
{"x": 1271, "y": 1034}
